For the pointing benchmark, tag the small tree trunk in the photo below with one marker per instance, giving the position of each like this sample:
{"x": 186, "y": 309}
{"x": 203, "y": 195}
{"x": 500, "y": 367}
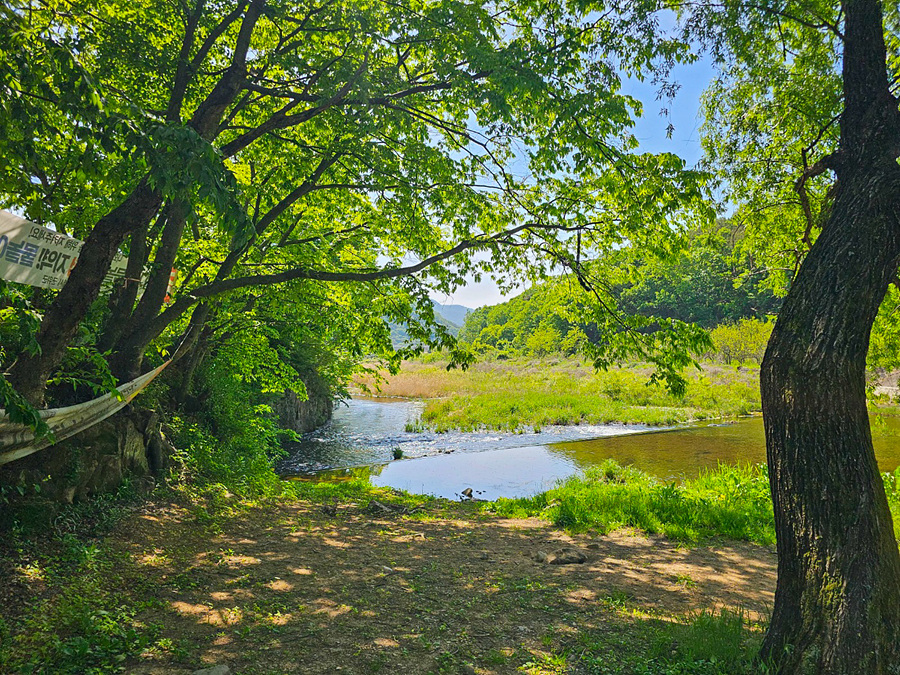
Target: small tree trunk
{"x": 133, "y": 338}
{"x": 129, "y": 352}
{"x": 194, "y": 357}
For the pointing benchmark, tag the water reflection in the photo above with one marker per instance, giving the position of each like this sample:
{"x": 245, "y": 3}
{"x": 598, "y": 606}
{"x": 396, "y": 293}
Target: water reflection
{"x": 510, "y": 472}
{"x": 365, "y": 434}
{"x": 675, "y": 453}
{"x": 687, "y": 451}
{"x": 369, "y": 431}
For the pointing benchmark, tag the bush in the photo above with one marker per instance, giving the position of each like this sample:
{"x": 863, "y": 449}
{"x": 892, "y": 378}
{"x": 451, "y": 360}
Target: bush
{"x": 745, "y": 340}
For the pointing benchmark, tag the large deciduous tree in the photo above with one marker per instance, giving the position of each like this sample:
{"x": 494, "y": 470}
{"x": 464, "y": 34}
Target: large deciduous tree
{"x": 255, "y": 143}
{"x": 816, "y": 89}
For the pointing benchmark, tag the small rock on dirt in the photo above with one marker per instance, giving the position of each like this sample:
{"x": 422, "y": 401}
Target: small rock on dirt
{"x": 542, "y": 556}
{"x": 564, "y": 556}
{"x": 377, "y": 507}
{"x": 568, "y": 556}
{"x": 214, "y": 670}
{"x": 466, "y": 669}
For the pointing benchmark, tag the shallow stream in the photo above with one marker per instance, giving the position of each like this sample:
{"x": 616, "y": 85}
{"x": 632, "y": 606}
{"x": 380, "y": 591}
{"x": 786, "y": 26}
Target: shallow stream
{"x": 364, "y": 435}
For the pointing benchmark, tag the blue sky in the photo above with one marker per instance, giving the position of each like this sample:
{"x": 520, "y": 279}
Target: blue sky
{"x": 650, "y": 130}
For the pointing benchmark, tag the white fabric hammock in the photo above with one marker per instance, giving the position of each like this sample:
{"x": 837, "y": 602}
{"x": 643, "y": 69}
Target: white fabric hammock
{"x": 17, "y": 440}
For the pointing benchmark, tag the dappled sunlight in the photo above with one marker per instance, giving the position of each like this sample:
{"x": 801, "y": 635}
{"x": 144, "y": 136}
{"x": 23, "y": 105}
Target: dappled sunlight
{"x": 239, "y": 560}
{"x": 330, "y": 608}
{"x": 208, "y": 615}
{"x": 354, "y": 588}
{"x": 280, "y": 585}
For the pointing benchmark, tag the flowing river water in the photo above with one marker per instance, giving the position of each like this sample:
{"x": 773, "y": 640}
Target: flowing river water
{"x": 364, "y": 435}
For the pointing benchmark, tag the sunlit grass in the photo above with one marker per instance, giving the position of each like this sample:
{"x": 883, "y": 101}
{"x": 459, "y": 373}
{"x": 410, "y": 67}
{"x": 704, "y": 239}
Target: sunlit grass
{"x": 514, "y": 395}
{"x": 708, "y": 642}
{"x": 729, "y": 501}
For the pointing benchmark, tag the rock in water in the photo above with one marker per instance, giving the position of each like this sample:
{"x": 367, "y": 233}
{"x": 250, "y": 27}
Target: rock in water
{"x": 467, "y": 493}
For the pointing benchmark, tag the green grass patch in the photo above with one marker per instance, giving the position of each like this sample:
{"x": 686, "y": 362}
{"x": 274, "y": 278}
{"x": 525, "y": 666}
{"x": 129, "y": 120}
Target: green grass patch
{"x": 710, "y": 642}
{"x": 892, "y": 488}
{"x": 729, "y": 501}
{"x": 517, "y": 395}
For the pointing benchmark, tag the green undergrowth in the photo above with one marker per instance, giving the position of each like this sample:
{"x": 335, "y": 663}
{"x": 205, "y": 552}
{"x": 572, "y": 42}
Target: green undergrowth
{"x": 68, "y": 612}
{"x": 72, "y": 611}
{"x": 84, "y": 626}
{"x": 709, "y": 642}
{"x": 514, "y": 397}
{"x": 729, "y": 501}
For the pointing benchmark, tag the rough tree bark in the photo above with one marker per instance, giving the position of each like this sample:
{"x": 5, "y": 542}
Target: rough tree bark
{"x": 124, "y": 294}
{"x": 837, "y": 602}
{"x": 128, "y": 350}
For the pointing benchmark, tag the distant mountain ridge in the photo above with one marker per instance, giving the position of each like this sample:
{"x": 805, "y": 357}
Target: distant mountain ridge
{"x": 454, "y": 313}
{"x": 451, "y": 316}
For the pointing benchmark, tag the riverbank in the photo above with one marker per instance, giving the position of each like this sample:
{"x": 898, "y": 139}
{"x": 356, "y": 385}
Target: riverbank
{"x": 356, "y": 580}
{"x": 516, "y": 394}
{"x": 343, "y": 577}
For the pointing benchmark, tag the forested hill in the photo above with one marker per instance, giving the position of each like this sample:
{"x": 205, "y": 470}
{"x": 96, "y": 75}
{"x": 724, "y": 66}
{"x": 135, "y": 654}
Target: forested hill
{"x": 709, "y": 283}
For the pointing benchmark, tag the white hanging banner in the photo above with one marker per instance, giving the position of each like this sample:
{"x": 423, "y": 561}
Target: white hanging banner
{"x": 38, "y": 256}
{"x": 17, "y": 440}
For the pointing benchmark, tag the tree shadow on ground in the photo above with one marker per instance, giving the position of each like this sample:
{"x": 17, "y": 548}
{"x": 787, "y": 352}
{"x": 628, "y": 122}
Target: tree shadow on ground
{"x": 310, "y": 589}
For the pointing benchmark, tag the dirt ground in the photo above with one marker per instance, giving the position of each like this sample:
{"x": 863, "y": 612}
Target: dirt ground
{"x": 305, "y": 588}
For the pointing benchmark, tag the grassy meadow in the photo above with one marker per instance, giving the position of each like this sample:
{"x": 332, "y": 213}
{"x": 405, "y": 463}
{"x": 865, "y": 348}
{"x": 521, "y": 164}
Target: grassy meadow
{"x": 517, "y": 394}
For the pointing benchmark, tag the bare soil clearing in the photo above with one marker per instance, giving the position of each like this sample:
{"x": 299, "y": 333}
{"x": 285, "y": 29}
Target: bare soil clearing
{"x": 307, "y": 588}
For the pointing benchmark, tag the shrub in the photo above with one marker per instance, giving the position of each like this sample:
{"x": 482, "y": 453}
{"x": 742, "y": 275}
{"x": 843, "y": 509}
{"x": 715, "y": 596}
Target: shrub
{"x": 742, "y": 341}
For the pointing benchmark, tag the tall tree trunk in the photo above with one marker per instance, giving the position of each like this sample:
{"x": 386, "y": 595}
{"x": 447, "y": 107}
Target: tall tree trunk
{"x": 128, "y": 350}
{"x": 124, "y": 294}
{"x": 30, "y": 372}
{"x": 837, "y": 602}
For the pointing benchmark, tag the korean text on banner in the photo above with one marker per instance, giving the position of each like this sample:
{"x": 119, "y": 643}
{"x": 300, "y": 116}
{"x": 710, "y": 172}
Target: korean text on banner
{"x": 37, "y": 256}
